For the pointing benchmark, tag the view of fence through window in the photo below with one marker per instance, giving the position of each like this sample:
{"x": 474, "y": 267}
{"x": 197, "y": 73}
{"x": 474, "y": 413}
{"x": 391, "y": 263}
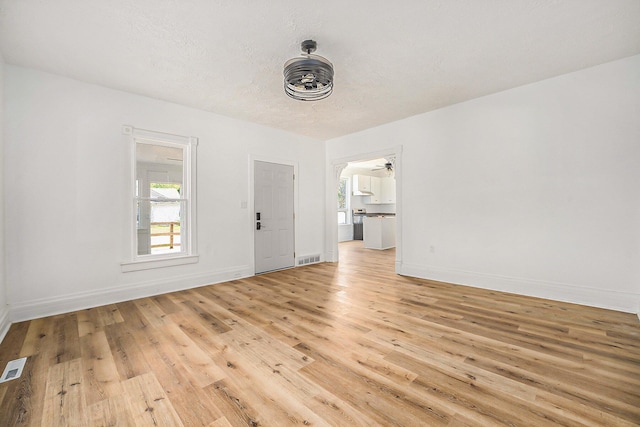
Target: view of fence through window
{"x": 161, "y": 206}
{"x": 165, "y": 218}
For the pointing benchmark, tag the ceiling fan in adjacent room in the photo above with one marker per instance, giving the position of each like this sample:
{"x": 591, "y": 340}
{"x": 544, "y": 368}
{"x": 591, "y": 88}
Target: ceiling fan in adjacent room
{"x": 388, "y": 167}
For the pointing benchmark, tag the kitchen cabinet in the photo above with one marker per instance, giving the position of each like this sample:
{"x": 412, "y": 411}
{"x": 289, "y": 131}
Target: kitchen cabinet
{"x": 361, "y": 185}
{"x": 376, "y": 192}
{"x": 388, "y": 190}
{"x": 380, "y": 232}
{"x": 383, "y": 191}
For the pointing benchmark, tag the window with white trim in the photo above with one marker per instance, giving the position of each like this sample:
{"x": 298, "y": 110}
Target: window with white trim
{"x": 343, "y": 201}
{"x": 164, "y": 204}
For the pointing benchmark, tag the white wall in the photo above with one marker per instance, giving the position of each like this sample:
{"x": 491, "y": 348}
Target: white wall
{"x": 66, "y": 152}
{"x": 4, "y": 312}
{"x": 533, "y": 190}
{"x": 345, "y": 232}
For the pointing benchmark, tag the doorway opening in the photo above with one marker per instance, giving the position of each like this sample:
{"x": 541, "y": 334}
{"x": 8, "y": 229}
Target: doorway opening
{"x": 367, "y": 206}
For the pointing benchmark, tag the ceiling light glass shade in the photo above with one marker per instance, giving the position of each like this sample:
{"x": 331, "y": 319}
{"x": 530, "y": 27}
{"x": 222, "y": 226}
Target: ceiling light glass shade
{"x": 309, "y": 77}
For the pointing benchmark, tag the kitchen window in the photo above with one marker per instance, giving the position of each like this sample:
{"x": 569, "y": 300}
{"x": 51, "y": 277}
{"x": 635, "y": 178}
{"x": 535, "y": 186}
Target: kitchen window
{"x": 163, "y": 185}
{"x": 343, "y": 201}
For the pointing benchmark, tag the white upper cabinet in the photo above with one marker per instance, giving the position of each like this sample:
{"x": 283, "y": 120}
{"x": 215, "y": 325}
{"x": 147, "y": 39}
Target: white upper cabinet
{"x": 380, "y": 190}
{"x": 361, "y": 185}
{"x": 376, "y": 191}
{"x": 388, "y": 190}
{"x": 383, "y": 191}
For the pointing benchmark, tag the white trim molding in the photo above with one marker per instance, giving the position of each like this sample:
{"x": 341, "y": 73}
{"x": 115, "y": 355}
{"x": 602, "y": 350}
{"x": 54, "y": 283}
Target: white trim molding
{"x": 43, "y": 307}
{"x": 189, "y": 251}
{"x": 157, "y": 263}
{"x": 611, "y": 300}
{"x": 5, "y": 322}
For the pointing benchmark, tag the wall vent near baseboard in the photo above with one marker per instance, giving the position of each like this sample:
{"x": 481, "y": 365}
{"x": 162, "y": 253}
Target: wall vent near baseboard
{"x": 309, "y": 259}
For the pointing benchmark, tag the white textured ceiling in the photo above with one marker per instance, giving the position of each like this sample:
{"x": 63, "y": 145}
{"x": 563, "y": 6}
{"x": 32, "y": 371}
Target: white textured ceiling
{"x": 392, "y": 59}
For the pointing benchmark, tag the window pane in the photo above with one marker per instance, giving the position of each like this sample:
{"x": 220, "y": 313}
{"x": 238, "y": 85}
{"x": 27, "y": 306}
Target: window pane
{"x": 159, "y": 154}
{"x": 160, "y": 227}
{"x": 342, "y": 194}
{"x": 160, "y": 217}
{"x": 342, "y": 217}
{"x": 164, "y": 204}
{"x": 162, "y": 190}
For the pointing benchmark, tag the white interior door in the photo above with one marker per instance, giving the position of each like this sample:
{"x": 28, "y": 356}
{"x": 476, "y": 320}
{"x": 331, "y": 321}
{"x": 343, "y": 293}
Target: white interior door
{"x": 273, "y": 216}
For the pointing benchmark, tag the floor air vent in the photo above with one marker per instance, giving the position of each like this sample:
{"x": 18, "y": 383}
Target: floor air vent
{"x": 311, "y": 259}
{"x": 13, "y": 370}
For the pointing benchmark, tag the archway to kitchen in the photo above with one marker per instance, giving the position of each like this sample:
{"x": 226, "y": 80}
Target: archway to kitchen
{"x": 385, "y": 167}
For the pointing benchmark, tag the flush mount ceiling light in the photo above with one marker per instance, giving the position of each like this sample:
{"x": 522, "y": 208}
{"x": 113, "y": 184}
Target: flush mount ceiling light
{"x": 309, "y": 77}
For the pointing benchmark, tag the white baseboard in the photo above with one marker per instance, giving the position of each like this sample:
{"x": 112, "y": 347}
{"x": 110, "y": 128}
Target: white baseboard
{"x": 5, "y": 322}
{"x": 612, "y": 300}
{"x": 43, "y": 307}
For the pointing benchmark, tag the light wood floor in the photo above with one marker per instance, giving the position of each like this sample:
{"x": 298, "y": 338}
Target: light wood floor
{"x": 327, "y": 344}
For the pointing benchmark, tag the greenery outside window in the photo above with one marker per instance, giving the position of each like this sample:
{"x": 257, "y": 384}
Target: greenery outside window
{"x": 343, "y": 201}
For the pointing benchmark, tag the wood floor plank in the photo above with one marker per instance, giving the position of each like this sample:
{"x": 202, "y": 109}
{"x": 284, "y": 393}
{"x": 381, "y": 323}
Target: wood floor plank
{"x": 189, "y": 323}
{"x": 476, "y": 398}
{"x": 67, "y": 340}
{"x": 212, "y": 322}
{"x": 109, "y": 314}
{"x": 41, "y": 348}
{"x": 22, "y": 398}
{"x": 167, "y": 366}
{"x": 199, "y": 366}
{"x": 38, "y": 337}
{"x": 347, "y": 343}
{"x": 101, "y": 377}
{"x": 238, "y": 412}
{"x": 132, "y": 316}
{"x": 87, "y": 322}
{"x": 148, "y": 403}
{"x": 64, "y": 400}
{"x": 166, "y": 304}
{"x": 384, "y": 405}
{"x": 151, "y": 312}
{"x": 221, "y": 422}
{"x": 255, "y": 393}
{"x": 110, "y": 412}
{"x": 262, "y": 349}
{"x": 13, "y": 342}
{"x": 585, "y": 396}
{"x": 127, "y": 355}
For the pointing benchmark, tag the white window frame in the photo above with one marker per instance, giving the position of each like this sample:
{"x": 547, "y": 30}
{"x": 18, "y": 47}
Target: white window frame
{"x": 188, "y": 254}
{"x": 347, "y": 201}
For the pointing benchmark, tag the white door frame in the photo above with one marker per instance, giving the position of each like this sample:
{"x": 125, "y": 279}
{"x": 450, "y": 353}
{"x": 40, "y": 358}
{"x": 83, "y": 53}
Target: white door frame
{"x": 251, "y": 204}
{"x": 333, "y": 173}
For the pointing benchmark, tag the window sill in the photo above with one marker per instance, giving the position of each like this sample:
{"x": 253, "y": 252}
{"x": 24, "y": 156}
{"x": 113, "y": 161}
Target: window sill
{"x": 158, "y": 263}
